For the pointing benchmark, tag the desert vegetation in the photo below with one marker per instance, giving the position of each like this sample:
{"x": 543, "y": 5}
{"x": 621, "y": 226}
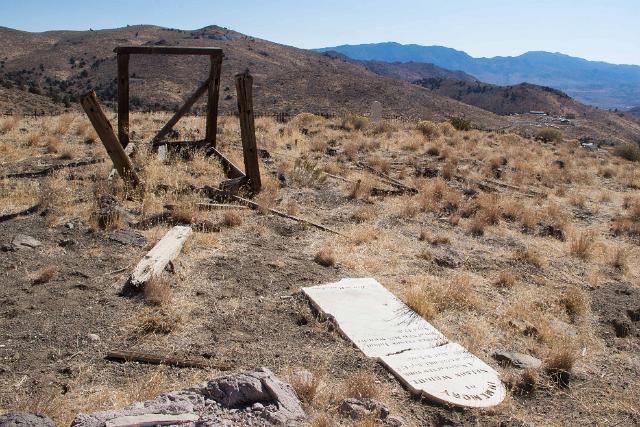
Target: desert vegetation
{"x": 507, "y": 242}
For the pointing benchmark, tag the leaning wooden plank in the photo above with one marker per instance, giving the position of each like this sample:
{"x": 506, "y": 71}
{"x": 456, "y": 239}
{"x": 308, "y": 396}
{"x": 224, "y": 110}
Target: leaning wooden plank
{"x": 132, "y": 356}
{"x": 165, "y": 251}
{"x": 181, "y": 112}
{"x": 129, "y": 149}
{"x": 104, "y": 130}
{"x": 244, "y": 83}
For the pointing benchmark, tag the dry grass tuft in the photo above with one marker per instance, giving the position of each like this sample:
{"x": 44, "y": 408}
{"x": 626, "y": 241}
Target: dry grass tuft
{"x": 157, "y": 292}
{"x": 627, "y": 151}
{"x": 560, "y": 364}
{"x": 53, "y": 145}
{"x": 364, "y": 214}
{"x": 524, "y": 384}
{"x": 428, "y": 128}
{"x": 231, "y": 219}
{"x": 9, "y": 124}
{"x": 576, "y": 302}
{"x": 325, "y": 257}
{"x": 619, "y": 258}
{"x": 156, "y": 321}
{"x": 477, "y": 226}
{"x": 361, "y": 385}
{"x": 506, "y": 279}
{"x": 530, "y": 256}
{"x": 418, "y": 300}
{"x": 581, "y": 245}
{"x": 305, "y": 384}
{"x": 44, "y": 275}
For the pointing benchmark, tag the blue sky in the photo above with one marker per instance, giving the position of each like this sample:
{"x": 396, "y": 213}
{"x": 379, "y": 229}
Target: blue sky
{"x": 607, "y": 30}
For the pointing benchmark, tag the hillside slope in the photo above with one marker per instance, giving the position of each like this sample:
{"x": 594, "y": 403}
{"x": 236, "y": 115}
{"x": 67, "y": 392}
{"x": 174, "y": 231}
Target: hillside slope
{"x": 592, "y": 82}
{"x": 67, "y": 63}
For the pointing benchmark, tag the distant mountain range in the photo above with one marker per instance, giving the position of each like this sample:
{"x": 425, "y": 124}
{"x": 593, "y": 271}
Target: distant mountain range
{"x": 596, "y": 83}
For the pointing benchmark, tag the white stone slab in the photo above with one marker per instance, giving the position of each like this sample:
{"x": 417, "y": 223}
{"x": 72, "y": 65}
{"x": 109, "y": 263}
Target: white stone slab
{"x": 375, "y": 320}
{"x": 376, "y": 111}
{"x": 448, "y": 374}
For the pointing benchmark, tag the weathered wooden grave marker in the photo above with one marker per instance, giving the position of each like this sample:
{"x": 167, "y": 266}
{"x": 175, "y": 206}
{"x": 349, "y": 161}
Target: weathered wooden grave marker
{"x": 376, "y": 111}
{"x": 382, "y": 326}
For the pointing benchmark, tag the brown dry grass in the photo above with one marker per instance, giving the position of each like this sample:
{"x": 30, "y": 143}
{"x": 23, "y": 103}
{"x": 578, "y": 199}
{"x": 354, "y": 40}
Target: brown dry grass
{"x": 44, "y": 275}
{"x": 157, "y": 291}
{"x": 325, "y": 257}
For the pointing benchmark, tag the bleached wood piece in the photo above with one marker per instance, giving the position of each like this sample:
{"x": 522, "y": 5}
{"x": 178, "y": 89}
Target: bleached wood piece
{"x": 165, "y": 251}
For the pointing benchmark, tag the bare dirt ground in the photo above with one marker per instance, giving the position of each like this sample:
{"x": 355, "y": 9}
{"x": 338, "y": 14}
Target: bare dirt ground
{"x": 510, "y": 244}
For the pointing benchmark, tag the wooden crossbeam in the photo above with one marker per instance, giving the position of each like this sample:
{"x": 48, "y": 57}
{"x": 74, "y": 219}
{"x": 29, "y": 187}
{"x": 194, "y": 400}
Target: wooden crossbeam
{"x": 168, "y": 50}
{"x": 181, "y": 112}
{"x": 230, "y": 170}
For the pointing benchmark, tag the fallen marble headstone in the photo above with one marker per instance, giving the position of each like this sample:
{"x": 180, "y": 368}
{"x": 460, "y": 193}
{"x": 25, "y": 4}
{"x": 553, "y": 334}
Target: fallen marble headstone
{"x": 382, "y": 326}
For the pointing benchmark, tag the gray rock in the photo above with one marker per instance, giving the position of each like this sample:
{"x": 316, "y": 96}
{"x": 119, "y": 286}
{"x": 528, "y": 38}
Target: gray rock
{"x": 360, "y": 408}
{"x": 519, "y": 360}
{"x": 394, "y": 421}
{"x": 22, "y": 241}
{"x": 25, "y": 419}
{"x": 128, "y": 237}
{"x": 93, "y": 337}
{"x": 151, "y": 420}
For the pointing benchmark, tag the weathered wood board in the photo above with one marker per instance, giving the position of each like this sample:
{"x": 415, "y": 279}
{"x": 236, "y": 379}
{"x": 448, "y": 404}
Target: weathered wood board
{"x": 165, "y": 251}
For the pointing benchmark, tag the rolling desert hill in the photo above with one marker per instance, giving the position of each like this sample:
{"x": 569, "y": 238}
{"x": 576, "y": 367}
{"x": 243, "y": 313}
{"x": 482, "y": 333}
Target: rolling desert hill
{"x": 65, "y": 64}
{"x": 592, "y": 82}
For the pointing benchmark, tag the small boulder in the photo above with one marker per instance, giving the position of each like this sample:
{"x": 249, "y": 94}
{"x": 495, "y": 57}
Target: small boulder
{"x": 360, "y": 408}
{"x": 519, "y": 360}
{"x": 25, "y": 419}
{"x": 22, "y": 241}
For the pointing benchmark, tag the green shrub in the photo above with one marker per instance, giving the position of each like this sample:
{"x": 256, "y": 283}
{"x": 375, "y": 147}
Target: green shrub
{"x": 354, "y": 122}
{"x": 628, "y": 151}
{"x": 549, "y": 135}
{"x": 460, "y": 124}
{"x": 428, "y": 129}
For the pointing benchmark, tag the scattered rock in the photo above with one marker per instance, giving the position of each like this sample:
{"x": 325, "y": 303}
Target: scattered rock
{"x": 563, "y": 328}
{"x": 622, "y": 327}
{"x": 22, "y": 241}
{"x": 93, "y": 337}
{"x": 25, "y": 419}
{"x": 108, "y": 213}
{"x": 128, "y": 237}
{"x": 65, "y": 243}
{"x": 552, "y": 231}
{"x": 519, "y": 360}
{"x": 394, "y": 421}
{"x": 427, "y": 172}
{"x": 360, "y": 408}
{"x": 446, "y": 261}
{"x": 151, "y": 420}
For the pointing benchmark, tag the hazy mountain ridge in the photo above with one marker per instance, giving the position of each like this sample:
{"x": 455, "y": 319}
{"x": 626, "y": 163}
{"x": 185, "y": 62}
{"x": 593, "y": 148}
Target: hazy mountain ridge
{"x": 593, "y": 82}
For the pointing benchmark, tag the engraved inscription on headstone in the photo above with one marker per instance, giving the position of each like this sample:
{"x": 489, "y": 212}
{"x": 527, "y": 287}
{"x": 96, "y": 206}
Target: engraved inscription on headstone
{"x": 449, "y": 374}
{"x": 382, "y": 326}
{"x": 375, "y": 320}
{"x": 376, "y": 111}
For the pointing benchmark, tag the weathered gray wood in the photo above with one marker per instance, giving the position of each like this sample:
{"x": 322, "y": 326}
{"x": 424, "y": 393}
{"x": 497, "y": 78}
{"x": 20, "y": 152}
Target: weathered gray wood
{"x": 153, "y": 359}
{"x": 165, "y": 251}
{"x": 212, "y": 99}
{"x": 231, "y": 170}
{"x": 184, "y": 109}
{"x": 128, "y": 151}
{"x": 104, "y": 130}
{"x": 123, "y": 99}
{"x": 244, "y": 83}
{"x": 168, "y": 50}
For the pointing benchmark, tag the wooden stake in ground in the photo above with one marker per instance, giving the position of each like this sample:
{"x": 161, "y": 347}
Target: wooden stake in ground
{"x": 244, "y": 83}
{"x": 156, "y": 260}
{"x": 104, "y": 130}
{"x": 212, "y": 99}
{"x": 123, "y": 98}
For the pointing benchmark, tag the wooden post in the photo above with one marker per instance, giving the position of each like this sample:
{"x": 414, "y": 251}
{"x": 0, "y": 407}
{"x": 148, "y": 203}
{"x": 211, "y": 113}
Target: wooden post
{"x": 181, "y": 112}
{"x": 104, "y": 130}
{"x": 244, "y": 83}
{"x": 212, "y": 99}
{"x": 123, "y": 98}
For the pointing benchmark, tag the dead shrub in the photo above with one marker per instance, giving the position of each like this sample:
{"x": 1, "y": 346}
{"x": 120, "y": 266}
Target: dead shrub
{"x": 157, "y": 291}
{"x": 628, "y": 151}
{"x": 232, "y": 219}
{"x": 354, "y": 122}
{"x": 364, "y": 234}
{"x": 434, "y": 239}
{"x": 360, "y": 190}
{"x": 420, "y": 302}
{"x": 44, "y": 275}
{"x": 433, "y": 151}
{"x": 525, "y": 383}
{"x": 581, "y": 245}
{"x": 428, "y": 128}
{"x": 325, "y": 257}
{"x": 559, "y": 365}
{"x": 477, "y": 226}
{"x": 53, "y": 145}
{"x": 364, "y": 214}
{"x": 506, "y": 279}
{"x": 305, "y": 384}
{"x": 619, "y": 257}
{"x": 530, "y": 256}
{"x": 361, "y": 385}
{"x": 549, "y": 135}
{"x": 575, "y": 302}
{"x": 425, "y": 254}
{"x": 384, "y": 126}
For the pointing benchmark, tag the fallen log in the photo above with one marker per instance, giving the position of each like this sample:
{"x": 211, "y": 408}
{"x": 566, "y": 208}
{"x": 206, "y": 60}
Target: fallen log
{"x": 164, "y": 252}
{"x": 48, "y": 169}
{"x": 12, "y": 215}
{"x": 152, "y": 359}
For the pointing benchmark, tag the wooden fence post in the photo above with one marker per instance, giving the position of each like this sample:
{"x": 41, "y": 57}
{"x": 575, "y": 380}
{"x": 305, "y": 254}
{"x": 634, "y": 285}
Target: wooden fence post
{"x": 212, "y": 99}
{"x": 244, "y": 83}
{"x": 104, "y": 130}
{"x": 123, "y": 98}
